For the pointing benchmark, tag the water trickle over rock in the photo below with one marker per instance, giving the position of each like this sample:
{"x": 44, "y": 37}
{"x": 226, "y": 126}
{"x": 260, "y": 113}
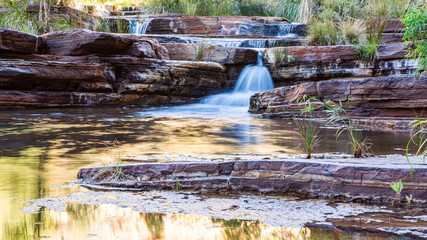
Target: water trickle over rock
{"x": 252, "y": 79}
{"x": 139, "y": 26}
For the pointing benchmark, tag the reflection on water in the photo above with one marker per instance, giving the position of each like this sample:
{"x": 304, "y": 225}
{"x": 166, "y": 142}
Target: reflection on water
{"x": 80, "y": 221}
{"x": 44, "y": 147}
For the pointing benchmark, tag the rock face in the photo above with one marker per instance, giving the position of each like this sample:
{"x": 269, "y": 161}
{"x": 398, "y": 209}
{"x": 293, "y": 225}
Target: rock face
{"x": 84, "y": 68}
{"x": 349, "y": 179}
{"x": 208, "y": 25}
{"x": 373, "y": 97}
{"x": 18, "y": 42}
{"x": 84, "y": 42}
{"x": 331, "y": 62}
{"x": 211, "y": 53}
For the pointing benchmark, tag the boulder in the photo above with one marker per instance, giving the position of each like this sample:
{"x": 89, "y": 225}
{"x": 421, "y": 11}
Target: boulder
{"x": 370, "y": 97}
{"x": 211, "y": 53}
{"x": 84, "y": 42}
{"x": 12, "y": 41}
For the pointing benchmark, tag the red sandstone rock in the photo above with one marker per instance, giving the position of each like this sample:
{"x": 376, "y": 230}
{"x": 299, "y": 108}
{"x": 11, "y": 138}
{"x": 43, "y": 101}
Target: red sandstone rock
{"x": 211, "y": 53}
{"x": 346, "y": 179}
{"x": 131, "y": 80}
{"x": 329, "y": 62}
{"x": 18, "y": 42}
{"x": 84, "y": 42}
{"x": 375, "y": 97}
{"x": 205, "y": 25}
{"x": 314, "y": 53}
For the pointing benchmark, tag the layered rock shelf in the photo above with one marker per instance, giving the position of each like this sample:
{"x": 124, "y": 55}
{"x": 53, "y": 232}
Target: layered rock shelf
{"x": 85, "y": 68}
{"x": 368, "y": 97}
{"x": 342, "y": 179}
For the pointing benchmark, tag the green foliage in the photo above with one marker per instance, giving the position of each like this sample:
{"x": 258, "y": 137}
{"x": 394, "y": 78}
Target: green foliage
{"x": 281, "y": 55}
{"x": 343, "y": 9}
{"x": 280, "y": 8}
{"x": 415, "y": 35}
{"x": 367, "y": 51}
{"x": 18, "y": 18}
{"x": 397, "y": 187}
{"x": 419, "y": 138}
{"x": 321, "y": 33}
{"x": 308, "y": 130}
{"x": 338, "y": 114}
{"x": 200, "y": 52}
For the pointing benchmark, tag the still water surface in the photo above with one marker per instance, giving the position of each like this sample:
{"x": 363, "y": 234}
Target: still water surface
{"x": 46, "y": 147}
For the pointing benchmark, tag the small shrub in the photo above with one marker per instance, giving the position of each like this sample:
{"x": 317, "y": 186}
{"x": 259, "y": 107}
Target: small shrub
{"x": 415, "y": 35}
{"x": 397, "y": 187}
{"x": 367, "y": 51}
{"x": 352, "y": 32}
{"x": 321, "y": 33}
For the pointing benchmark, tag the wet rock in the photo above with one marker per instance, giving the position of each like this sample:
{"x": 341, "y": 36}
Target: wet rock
{"x": 18, "y": 42}
{"x": 212, "y": 53}
{"x": 375, "y": 97}
{"x": 84, "y": 42}
{"x": 344, "y": 179}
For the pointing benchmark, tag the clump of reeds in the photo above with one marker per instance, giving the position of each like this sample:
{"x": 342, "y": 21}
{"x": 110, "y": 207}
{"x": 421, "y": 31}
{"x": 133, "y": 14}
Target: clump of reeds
{"x": 308, "y": 129}
{"x": 112, "y": 171}
{"x": 339, "y": 114}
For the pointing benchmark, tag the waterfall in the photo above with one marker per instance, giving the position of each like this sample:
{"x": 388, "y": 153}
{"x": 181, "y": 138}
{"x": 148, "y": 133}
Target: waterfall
{"x": 139, "y": 26}
{"x": 286, "y": 30}
{"x": 252, "y": 79}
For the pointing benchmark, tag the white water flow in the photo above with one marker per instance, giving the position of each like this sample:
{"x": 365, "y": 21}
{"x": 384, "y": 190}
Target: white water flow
{"x": 139, "y": 26}
{"x": 252, "y": 79}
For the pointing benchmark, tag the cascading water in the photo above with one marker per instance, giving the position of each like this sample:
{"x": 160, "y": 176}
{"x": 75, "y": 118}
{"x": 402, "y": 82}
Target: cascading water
{"x": 139, "y": 26}
{"x": 286, "y": 30}
{"x": 252, "y": 79}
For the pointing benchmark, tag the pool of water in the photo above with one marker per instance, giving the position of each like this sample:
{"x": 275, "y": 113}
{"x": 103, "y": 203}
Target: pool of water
{"x": 46, "y": 147}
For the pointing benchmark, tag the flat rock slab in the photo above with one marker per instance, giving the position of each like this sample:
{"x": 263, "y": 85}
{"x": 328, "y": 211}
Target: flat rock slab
{"x": 358, "y": 180}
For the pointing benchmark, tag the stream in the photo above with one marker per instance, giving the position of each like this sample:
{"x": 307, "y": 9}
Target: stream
{"x": 43, "y": 149}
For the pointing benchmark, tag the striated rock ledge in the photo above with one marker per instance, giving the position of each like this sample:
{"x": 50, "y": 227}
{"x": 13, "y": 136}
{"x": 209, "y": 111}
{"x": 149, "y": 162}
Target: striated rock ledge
{"x": 357, "y": 180}
{"x": 85, "y": 68}
{"x": 369, "y": 97}
{"x": 332, "y": 62}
